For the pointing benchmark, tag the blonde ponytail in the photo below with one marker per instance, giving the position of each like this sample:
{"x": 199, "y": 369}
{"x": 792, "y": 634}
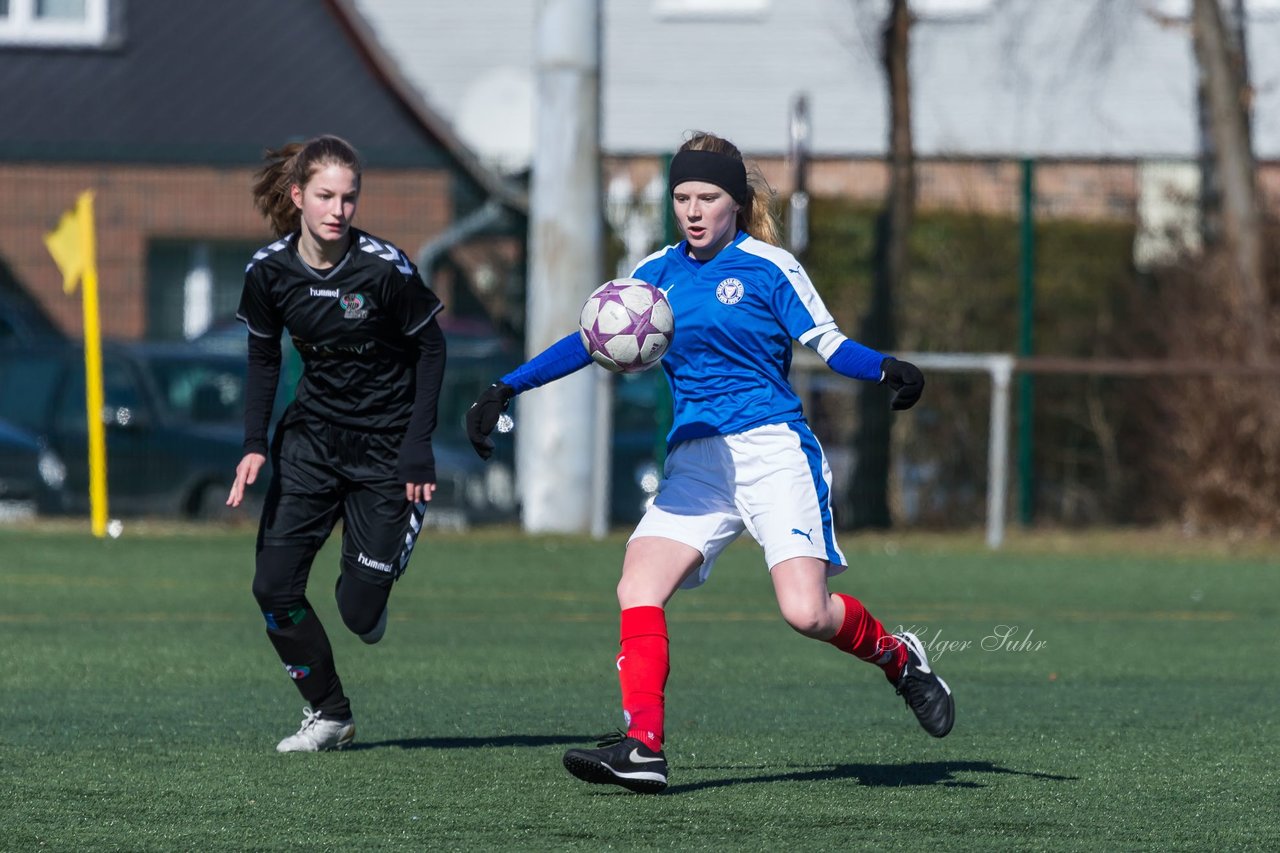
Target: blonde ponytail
{"x": 757, "y": 215}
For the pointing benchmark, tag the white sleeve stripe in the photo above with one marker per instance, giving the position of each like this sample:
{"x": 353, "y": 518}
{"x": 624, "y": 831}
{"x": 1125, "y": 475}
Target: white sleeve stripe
{"x": 252, "y": 330}
{"x": 793, "y": 273}
{"x": 827, "y": 343}
{"x": 816, "y": 331}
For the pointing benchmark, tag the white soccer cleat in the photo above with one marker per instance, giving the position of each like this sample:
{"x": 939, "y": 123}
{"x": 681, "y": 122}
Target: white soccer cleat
{"x": 319, "y": 734}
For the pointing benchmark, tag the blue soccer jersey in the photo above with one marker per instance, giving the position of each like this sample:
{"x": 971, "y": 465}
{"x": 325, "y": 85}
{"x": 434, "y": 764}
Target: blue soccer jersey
{"x": 735, "y": 318}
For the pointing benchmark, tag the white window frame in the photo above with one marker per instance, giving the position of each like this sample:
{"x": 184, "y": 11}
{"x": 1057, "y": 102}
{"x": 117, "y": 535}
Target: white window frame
{"x": 22, "y": 27}
{"x": 674, "y": 10}
{"x": 951, "y": 9}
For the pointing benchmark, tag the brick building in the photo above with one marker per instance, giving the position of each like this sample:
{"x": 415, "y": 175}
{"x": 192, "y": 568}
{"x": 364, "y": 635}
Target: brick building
{"x": 163, "y": 109}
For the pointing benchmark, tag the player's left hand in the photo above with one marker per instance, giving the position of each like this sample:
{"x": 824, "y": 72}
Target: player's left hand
{"x": 483, "y": 416}
{"x": 905, "y": 381}
{"x": 246, "y": 475}
{"x": 419, "y": 492}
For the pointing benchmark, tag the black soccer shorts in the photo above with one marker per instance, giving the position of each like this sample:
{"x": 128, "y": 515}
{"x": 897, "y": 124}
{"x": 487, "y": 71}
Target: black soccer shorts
{"x": 324, "y": 473}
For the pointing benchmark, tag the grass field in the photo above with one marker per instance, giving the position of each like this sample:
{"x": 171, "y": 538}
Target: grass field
{"x": 1112, "y": 694}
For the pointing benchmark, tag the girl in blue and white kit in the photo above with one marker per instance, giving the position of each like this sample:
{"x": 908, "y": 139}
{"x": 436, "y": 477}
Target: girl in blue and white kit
{"x": 740, "y": 454}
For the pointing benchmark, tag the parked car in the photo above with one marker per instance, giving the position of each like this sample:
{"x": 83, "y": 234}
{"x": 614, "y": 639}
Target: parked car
{"x": 31, "y": 475}
{"x": 172, "y": 415}
{"x": 23, "y": 321}
{"x": 174, "y": 419}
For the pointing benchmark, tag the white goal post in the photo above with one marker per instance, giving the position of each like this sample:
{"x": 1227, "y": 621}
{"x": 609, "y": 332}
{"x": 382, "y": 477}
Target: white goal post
{"x": 998, "y": 366}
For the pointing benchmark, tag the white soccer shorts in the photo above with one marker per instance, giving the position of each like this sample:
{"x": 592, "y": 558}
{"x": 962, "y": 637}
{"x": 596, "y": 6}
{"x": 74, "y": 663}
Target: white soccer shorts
{"x": 772, "y": 481}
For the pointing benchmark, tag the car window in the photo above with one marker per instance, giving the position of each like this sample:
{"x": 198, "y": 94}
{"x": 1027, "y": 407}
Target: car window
{"x": 209, "y": 391}
{"x": 121, "y": 397}
{"x": 27, "y": 384}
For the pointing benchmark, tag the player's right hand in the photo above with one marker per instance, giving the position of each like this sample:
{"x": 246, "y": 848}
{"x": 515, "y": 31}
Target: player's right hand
{"x": 483, "y": 416}
{"x": 246, "y": 475}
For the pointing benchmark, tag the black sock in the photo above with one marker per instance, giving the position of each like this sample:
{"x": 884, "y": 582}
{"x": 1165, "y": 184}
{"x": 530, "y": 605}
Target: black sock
{"x": 303, "y": 647}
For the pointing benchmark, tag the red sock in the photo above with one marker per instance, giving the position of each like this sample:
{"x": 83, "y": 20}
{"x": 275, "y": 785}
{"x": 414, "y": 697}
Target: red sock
{"x": 643, "y": 666}
{"x": 862, "y": 636}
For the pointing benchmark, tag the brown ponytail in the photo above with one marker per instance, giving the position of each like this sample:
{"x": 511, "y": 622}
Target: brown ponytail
{"x": 291, "y": 164}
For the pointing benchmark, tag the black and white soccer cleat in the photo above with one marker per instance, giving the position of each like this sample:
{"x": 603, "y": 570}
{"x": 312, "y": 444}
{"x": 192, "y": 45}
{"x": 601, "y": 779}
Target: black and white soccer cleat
{"x": 927, "y": 695}
{"x": 620, "y": 760}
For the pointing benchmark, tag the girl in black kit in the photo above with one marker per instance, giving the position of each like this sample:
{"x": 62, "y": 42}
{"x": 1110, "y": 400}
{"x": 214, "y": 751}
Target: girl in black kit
{"x": 356, "y": 442}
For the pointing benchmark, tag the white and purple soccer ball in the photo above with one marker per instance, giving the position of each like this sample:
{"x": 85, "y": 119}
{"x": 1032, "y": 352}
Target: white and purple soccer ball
{"x": 626, "y": 325}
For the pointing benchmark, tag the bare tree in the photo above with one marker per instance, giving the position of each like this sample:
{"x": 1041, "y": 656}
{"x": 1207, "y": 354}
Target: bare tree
{"x": 869, "y": 492}
{"x": 1232, "y": 214}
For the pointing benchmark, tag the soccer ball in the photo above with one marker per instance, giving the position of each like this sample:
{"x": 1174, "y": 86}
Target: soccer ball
{"x": 626, "y": 325}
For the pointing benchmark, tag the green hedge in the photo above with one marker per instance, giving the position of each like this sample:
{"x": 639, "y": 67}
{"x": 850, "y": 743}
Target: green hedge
{"x": 963, "y": 295}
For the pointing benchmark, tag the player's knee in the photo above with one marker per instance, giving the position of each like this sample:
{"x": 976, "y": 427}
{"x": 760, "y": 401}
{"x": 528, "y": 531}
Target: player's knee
{"x": 632, "y": 593}
{"x": 640, "y": 589}
{"x": 807, "y": 619}
{"x": 359, "y": 622}
{"x": 360, "y": 603}
{"x": 268, "y": 594}
{"x": 279, "y": 578}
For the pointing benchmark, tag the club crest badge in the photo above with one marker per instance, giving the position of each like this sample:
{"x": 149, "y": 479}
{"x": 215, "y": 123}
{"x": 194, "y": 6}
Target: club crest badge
{"x": 353, "y": 305}
{"x": 729, "y": 291}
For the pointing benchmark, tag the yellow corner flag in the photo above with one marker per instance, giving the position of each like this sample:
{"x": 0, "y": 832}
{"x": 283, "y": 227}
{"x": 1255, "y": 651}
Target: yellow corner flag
{"x": 72, "y": 245}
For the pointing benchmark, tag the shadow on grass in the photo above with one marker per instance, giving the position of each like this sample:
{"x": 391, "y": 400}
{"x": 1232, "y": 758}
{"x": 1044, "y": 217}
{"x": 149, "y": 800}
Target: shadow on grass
{"x": 941, "y": 773}
{"x": 472, "y": 742}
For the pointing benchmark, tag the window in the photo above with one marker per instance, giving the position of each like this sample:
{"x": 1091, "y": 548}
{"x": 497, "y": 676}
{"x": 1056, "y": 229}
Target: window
{"x": 53, "y": 22}
{"x": 121, "y": 397}
{"x": 1181, "y": 9}
{"x": 951, "y": 9}
{"x": 193, "y": 285}
{"x": 27, "y": 384}
{"x": 711, "y": 9}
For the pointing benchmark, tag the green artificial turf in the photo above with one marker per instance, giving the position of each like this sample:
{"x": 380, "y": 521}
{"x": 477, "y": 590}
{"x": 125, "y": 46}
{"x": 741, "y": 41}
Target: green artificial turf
{"x": 1117, "y": 697}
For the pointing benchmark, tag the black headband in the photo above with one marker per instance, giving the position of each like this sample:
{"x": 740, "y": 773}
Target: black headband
{"x": 728, "y": 173}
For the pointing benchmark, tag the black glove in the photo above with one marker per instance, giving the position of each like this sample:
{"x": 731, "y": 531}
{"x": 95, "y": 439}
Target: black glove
{"x": 905, "y": 381}
{"x": 483, "y": 416}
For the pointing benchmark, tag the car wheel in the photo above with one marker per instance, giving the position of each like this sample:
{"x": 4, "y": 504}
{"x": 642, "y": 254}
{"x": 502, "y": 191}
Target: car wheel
{"x": 210, "y": 504}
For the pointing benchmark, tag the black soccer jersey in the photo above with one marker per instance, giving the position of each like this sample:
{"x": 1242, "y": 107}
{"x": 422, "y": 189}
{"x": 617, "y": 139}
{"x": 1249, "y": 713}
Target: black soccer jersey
{"x": 353, "y": 326}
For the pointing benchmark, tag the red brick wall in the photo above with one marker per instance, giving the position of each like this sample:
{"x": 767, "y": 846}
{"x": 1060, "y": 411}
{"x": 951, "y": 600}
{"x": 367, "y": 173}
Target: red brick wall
{"x": 1106, "y": 190}
{"x": 1066, "y": 190}
{"x": 135, "y": 204}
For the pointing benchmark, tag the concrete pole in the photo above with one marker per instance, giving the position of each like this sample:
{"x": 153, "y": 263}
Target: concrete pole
{"x": 556, "y": 425}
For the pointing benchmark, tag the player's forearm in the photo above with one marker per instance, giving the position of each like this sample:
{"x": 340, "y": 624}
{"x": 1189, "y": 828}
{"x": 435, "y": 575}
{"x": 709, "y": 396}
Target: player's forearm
{"x": 417, "y": 462}
{"x": 565, "y": 356}
{"x": 261, "y": 380}
{"x": 856, "y": 361}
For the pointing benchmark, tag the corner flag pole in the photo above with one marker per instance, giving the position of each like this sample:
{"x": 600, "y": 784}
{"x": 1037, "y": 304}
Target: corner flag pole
{"x": 74, "y": 249}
